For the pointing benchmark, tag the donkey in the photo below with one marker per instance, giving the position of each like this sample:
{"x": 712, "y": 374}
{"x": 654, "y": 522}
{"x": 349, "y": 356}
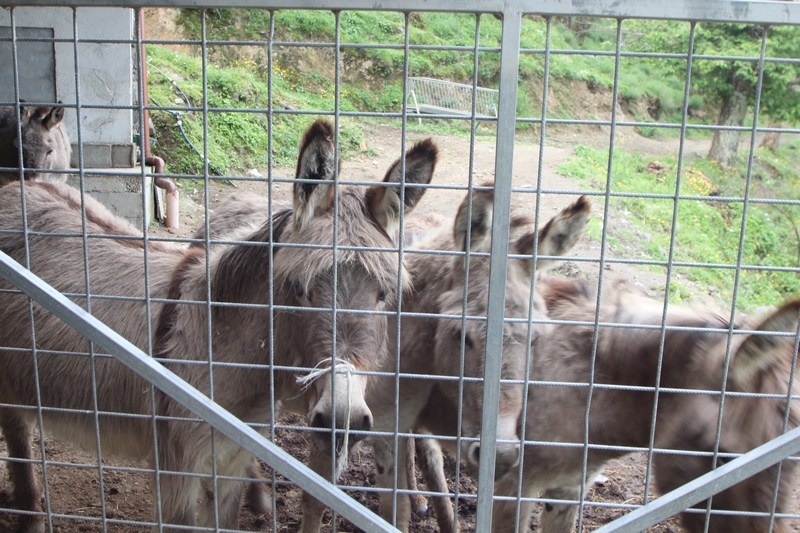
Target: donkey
{"x": 443, "y": 292}
{"x": 45, "y": 145}
{"x": 693, "y": 359}
{"x": 236, "y": 216}
{"x": 251, "y": 372}
{"x": 438, "y": 282}
{"x": 232, "y": 219}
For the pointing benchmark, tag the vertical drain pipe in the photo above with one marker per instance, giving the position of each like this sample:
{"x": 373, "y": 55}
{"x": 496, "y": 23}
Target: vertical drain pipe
{"x": 171, "y": 196}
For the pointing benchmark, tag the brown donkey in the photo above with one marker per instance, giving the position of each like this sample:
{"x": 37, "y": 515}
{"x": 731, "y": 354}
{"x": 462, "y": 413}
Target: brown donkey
{"x": 435, "y": 345}
{"x": 45, "y": 145}
{"x": 693, "y": 360}
{"x": 366, "y": 279}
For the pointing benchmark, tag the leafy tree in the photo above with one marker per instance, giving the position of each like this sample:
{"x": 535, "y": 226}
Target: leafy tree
{"x": 730, "y": 83}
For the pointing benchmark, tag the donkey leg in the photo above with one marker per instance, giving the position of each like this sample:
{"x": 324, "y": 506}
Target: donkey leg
{"x": 223, "y": 501}
{"x": 319, "y": 460}
{"x": 384, "y": 478}
{"x": 179, "y": 497}
{"x": 419, "y": 503}
{"x": 558, "y": 517}
{"x": 228, "y": 503}
{"x": 257, "y": 494}
{"x": 432, "y": 466}
{"x": 180, "y": 494}
{"x": 504, "y": 512}
{"x": 18, "y": 432}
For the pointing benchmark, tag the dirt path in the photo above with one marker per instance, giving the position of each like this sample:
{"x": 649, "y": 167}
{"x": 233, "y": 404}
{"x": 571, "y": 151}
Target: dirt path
{"x": 453, "y": 170}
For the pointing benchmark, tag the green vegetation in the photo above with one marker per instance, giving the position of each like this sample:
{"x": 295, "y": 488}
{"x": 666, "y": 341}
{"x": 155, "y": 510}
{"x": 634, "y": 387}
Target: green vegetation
{"x": 237, "y": 140}
{"x": 637, "y": 79}
{"x": 372, "y": 77}
{"x": 371, "y": 80}
{"x": 708, "y": 231}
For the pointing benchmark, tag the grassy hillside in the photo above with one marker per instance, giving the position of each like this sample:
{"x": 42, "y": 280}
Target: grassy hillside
{"x": 371, "y": 70}
{"x": 372, "y": 73}
{"x": 708, "y": 231}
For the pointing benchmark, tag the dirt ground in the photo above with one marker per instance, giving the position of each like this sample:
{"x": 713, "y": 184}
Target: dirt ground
{"x": 73, "y": 475}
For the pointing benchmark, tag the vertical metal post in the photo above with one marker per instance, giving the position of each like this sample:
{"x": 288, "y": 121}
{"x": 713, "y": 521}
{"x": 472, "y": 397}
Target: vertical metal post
{"x": 506, "y": 125}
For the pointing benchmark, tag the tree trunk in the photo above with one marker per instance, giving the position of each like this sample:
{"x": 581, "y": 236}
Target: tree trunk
{"x": 772, "y": 139}
{"x": 734, "y": 108}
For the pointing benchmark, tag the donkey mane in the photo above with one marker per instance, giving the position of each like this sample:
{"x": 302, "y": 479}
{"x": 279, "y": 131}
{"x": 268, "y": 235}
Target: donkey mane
{"x": 356, "y": 228}
{"x": 248, "y": 262}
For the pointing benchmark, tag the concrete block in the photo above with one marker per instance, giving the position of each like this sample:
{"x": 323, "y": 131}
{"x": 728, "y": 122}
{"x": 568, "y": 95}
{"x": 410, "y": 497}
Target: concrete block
{"x": 107, "y": 183}
{"x": 123, "y": 155}
{"x": 124, "y": 205}
{"x": 121, "y": 193}
{"x": 95, "y": 155}
{"x": 105, "y": 155}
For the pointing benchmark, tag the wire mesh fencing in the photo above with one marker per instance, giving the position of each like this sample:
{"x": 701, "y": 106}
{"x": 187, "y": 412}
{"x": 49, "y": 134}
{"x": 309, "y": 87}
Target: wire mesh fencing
{"x": 579, "y": 285}
{"x": 445, "y": 97}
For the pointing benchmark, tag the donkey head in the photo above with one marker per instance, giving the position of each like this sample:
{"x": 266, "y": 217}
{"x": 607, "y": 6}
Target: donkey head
{"x": 556, "y": 238}
{"x": 339, "y": 270}
{"x": 45, "y": 145}
{"x": 761, "y": 363}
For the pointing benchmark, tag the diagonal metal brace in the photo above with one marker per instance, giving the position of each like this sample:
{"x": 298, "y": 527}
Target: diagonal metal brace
{"x": 705, "y": 486}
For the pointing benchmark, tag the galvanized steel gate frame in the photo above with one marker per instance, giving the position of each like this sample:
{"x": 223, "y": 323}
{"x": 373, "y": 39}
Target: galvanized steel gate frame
{"x": 511, "y": 12}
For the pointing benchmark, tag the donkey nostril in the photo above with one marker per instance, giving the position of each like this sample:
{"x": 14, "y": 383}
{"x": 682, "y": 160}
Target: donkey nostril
{"x": 366, "y": 423}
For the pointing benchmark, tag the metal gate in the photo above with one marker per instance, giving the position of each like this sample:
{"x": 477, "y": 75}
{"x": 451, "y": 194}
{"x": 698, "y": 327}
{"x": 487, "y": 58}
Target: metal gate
{"x": 523, "y": 125}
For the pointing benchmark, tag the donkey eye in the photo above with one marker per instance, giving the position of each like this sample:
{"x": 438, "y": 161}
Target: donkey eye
{"x": 468, "y": 344}
{"x": 300, "y": 291}
{"x": 381, "y": 296}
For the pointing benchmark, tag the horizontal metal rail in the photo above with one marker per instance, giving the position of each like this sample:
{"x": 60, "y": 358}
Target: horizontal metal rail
{"x": 188, "y": 396}
{"x": 714, "y": 11}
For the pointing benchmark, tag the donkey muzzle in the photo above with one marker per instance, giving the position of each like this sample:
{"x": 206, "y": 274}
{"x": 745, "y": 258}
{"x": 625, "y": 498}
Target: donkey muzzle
{"x": 349, "y": 411}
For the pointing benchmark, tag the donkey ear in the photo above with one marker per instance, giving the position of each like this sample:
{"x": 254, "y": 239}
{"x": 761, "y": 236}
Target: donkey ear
{"x": 53, "y": 118}
{"x": 317, "y": 161}
{"x": 559, "y": 235}
{"x": 759, "y": 352}
{"x": 24, "y": 115}
{"x": 480, "y": 225}
{"x": 384, "y": 201}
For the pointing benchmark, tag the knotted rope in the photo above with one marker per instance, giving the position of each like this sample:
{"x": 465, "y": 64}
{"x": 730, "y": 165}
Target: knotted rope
{"x": 342, "y": 367}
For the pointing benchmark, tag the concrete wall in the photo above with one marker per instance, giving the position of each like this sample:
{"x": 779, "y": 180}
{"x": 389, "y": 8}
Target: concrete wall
{"x": 122, "y": 193}
{"x": 104, "y": 77}
{"x": 105, "y": 74}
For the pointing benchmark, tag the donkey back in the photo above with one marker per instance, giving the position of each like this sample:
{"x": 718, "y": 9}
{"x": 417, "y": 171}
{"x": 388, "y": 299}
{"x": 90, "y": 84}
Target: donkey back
{"x": 688, "y": 360}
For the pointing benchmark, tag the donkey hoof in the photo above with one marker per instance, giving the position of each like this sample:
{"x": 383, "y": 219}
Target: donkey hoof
{"x": 419, "y": 504}
{"x": 421, "y": 509}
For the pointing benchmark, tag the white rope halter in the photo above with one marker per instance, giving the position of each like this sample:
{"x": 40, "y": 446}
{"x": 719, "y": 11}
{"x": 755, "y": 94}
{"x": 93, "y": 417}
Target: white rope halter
{"x": 342, "y": 367}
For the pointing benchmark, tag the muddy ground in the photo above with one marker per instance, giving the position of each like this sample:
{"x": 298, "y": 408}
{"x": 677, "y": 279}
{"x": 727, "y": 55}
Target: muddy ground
{"x": 73, "y": 474}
